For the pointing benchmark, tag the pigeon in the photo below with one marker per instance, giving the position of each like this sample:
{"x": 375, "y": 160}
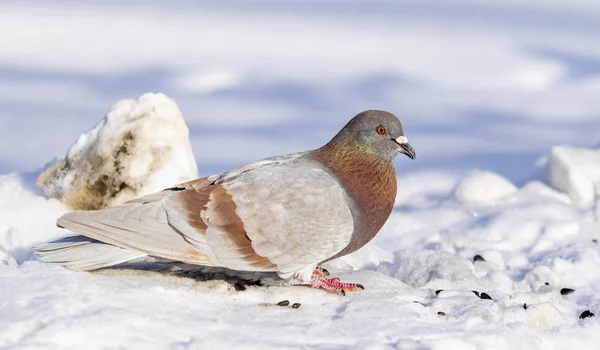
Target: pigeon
{"x": 284, "y": 215}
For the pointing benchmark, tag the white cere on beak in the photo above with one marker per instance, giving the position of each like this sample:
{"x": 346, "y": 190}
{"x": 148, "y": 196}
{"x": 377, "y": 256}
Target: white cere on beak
{"x": 402, "y": 140}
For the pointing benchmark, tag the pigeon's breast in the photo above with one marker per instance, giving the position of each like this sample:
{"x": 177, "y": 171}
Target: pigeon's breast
{"x": 370, "y": 185}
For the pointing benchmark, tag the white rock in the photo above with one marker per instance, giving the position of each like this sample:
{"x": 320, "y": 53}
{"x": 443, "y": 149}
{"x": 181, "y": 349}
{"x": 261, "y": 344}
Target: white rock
{"x": 483, "y": 187}
{"x": 141, "y": 146}
{"x": 576, "y": 172}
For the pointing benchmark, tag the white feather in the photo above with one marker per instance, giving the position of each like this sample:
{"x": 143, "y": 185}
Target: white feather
{"x": 81, "y": 253}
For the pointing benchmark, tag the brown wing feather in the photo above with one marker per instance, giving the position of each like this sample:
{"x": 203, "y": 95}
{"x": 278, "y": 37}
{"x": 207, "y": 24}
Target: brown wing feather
{"x": 207, "y": 215}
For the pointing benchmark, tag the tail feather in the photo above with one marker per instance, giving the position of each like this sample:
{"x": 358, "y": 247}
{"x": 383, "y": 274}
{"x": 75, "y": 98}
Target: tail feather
{"x": 136, "y": 226}
{"x": 81, "y": 253}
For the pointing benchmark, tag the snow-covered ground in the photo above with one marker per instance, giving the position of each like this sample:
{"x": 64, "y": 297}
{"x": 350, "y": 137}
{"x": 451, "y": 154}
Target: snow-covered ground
{"x": 490, "y": 85}
{"x": 446, "y": 272}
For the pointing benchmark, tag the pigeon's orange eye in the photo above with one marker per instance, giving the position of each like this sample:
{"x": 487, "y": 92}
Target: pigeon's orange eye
{"x": 380, "y": 130}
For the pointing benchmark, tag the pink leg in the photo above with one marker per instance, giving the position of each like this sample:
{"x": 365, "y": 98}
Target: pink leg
{"x": 333, "y": 285}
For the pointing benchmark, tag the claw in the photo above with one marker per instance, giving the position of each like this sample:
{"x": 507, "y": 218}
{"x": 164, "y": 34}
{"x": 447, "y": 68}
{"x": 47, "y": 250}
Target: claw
{"x": 319, "y": 271}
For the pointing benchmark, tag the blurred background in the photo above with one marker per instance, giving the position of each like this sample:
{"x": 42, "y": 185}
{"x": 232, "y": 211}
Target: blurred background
{"x": 477, "y": 84}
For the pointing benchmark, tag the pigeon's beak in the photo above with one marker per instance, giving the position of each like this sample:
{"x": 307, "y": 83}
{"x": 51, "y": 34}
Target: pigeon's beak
{"x": 405, "y": 147}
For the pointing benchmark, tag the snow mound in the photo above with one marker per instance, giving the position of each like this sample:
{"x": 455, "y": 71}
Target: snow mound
{"x": 25, "y": 219}
{"x": 141, "y": 146}
{"x": 364, "y": 258}
{"x": 425, "y": 187}
{"x": 483, "y": 187}
{"x": 576, "y": 172}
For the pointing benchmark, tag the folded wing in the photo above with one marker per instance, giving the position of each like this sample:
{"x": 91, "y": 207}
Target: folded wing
{"x": 285, "y": 214}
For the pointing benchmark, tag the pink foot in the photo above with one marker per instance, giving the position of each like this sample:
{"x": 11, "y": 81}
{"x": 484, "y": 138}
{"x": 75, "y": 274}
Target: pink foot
{"x": 333, "y": 285}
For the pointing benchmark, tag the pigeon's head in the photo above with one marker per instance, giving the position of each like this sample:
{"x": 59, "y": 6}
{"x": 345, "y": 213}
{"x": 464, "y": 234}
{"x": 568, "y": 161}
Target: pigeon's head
{"x": 379, "y": 133}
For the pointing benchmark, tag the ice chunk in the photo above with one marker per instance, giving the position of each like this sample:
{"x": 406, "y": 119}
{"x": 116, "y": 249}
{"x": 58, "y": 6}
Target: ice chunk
{"x": 141, "y": 146}
{"x": 576, "y": 172}
{"x": 483, "y": 187}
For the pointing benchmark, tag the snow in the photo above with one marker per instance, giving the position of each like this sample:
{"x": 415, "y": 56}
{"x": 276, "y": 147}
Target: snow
{"x": 576, "y": 172}
{"x": 25, "y": 218}
{"x": 483, "y": 187}
{"x": 140, "y": 147}
{"x": 422, "y": 281}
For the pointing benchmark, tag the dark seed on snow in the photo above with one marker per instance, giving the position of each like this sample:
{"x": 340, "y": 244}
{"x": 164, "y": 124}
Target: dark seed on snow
{"x": 485, "y": 296}
{"x": 566, "y": 291}
{"x": 525, "y": 306}
{"x": 586, "y": 314}
{"x": 441, "y": 313}
{"x": 478, "y": 258}
{"x": 475, "y": 292}
{"x": 296, "y": 305}
{"x": 283, "y": 303}
{"x": 239, "y": 287}
{"x": 547, "y": 283}
{"x": 595, "y": 240}
{"x": 437, "y": 292}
